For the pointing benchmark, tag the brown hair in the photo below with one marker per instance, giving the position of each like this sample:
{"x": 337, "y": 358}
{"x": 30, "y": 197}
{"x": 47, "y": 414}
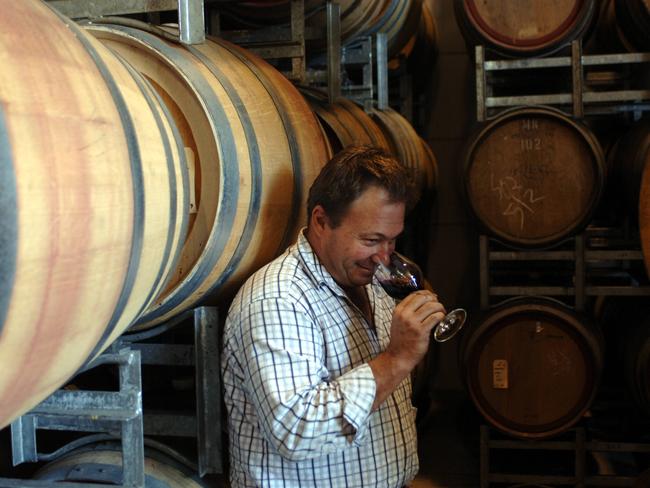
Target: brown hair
{"x": 350, "y": 172}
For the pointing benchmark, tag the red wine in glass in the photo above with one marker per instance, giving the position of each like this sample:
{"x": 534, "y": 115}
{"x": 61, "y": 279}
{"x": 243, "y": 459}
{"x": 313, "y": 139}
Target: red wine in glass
{"x": 401, "y": 277}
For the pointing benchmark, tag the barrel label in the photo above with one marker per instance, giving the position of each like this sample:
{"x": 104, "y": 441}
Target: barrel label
{"x": 500, "y": 374}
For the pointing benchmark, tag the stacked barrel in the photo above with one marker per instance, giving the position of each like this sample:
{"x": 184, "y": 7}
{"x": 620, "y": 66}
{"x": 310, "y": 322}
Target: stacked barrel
{"x": 534, "y": 178}
{"x": 141, "y": 177}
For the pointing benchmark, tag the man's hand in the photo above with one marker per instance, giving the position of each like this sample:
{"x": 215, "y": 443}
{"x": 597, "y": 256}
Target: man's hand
{"x": 413, "y": 319}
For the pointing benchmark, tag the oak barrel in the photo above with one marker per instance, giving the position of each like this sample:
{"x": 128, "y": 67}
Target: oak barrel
{"x": 525, "y": 27}
{"x": 256, "y": 147}
{"x": 344, "y": 122}
{"x": 644, "y": 216}
{"x": 627, "y": 159}
{"x": 398, "y": 19}
{"x": 532, "y": 366}
{"x": 533, "y": 176}
{"x": 101, "y": 464}
{"x": 94, "y": 192}
{"x": 408, "y": 146}
{"x": 635, "y": 359}
{"x": 624, "y": 25}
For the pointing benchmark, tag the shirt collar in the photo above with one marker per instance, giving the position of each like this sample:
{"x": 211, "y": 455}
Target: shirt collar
{"x": 313, "y": 266}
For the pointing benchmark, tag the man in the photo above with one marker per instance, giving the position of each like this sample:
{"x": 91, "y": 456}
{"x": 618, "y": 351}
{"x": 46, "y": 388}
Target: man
{"x": 317, "y": 356}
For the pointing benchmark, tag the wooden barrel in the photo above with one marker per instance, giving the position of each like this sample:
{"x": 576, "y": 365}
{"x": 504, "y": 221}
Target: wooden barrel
{"x": 344, "y": 122}
{"x": 624, "y": 26}
{"x": 525, "y": 27}
{"x": 643, "y": 480}
{"x": 425, "y": 45}
{"x": 533, "y": 176}
{"x": 644, "y": 216}
{"x": 431, "y": 165}
{"x": 102, "y": 464}
{"x": 256, "y": 148}
{"x": 635, "y": 359}
{"x": 627, "y": 160}
{"x": 408, "y": 146}
{"x": 356, "y": 16}
{"x": 532, "y": 367}
{"x": 399, "y": 20}
{"x": 94, "y": 195}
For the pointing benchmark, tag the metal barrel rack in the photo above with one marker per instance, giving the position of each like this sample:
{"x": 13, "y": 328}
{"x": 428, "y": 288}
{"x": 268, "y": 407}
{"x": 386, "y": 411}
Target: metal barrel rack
{"x": 120, "y": 414}
{"x": 574, "y": 442}
{"x": 579, "y": 250}
{"x": 577, "y": 99}
{"x": 600, "y": 261}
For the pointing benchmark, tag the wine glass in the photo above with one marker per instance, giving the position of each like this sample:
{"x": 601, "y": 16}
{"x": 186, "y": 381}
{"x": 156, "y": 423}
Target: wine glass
{"x": 402, "y": 277}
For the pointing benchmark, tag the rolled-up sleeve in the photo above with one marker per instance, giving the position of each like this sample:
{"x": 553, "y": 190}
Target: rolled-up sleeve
{"x": 304, "y": 412}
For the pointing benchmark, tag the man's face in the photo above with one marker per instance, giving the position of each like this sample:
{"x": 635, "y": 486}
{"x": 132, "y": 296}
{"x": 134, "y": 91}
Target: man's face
{"x": 367, "y": 232}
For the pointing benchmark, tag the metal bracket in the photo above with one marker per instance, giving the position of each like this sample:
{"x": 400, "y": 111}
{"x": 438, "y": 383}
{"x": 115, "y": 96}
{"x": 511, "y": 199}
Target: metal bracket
{"x": 205, "y": 424}
{"x": 117, "y": 413}
{"x": 191, "y": 21}
{"x": 371, "y": 54}
{"x": 333, "y": 10}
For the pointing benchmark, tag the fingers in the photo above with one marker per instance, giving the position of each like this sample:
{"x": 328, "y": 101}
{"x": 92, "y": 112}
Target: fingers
{"x": 422, "y": 307}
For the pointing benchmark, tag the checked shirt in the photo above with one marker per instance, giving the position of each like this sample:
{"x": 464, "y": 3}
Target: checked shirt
{"x": 298, "y": 389}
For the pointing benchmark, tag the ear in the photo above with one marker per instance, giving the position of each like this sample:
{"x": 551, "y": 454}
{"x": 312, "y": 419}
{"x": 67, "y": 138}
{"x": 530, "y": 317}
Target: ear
{"x": 319, "y": 219}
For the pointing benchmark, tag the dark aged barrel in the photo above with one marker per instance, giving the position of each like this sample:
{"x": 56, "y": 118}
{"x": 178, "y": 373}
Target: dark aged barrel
{"x": 624, "y": 25}
{"x": 425, "y": 45}
{"x": 532, "y": 367}
{"x": 524, "y": 27}
{"x": 102, "y": 464}
{"x": 644, "y": 216}
{"x": 533, "y": 176}
{"x": 256, "y": 148}
{"x": 630, "y": 160}
{"x": 629, "y": 157}
{"x": 94, "y": 194}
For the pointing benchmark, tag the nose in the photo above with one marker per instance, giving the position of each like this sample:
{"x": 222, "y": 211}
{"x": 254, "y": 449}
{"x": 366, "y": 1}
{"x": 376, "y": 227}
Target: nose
{"x": 383, "y": 253}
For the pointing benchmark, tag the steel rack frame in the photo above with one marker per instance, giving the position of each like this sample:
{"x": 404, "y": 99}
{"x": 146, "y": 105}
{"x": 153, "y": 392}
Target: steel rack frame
{"x": 204, "y": 355}
{"x": 120, "y": 414}
{"x": 579, "y": 445}
{"x": 580, "y": 253}
{"x": 191, "y": 21}
{"x": 116, "y": 413}
{"x": 580, "y": 100}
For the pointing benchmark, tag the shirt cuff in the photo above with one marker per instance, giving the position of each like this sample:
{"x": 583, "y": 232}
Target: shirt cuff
{"x": 358, "y": 387}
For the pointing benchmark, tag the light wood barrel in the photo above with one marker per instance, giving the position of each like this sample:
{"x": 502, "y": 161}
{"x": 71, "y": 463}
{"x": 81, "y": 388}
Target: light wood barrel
{"x": 102, "y": 464}
{"x": 533, "y": 176}
{"x": 524, "y": 27}
{"x": 399, "y": 20}
{"x": 257, "y": 147}
{"x": 532, "y": 367}
{"x": 94, "y": 197}
{"x": 408, "y": 146}
{"x": 344, "y": 122}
